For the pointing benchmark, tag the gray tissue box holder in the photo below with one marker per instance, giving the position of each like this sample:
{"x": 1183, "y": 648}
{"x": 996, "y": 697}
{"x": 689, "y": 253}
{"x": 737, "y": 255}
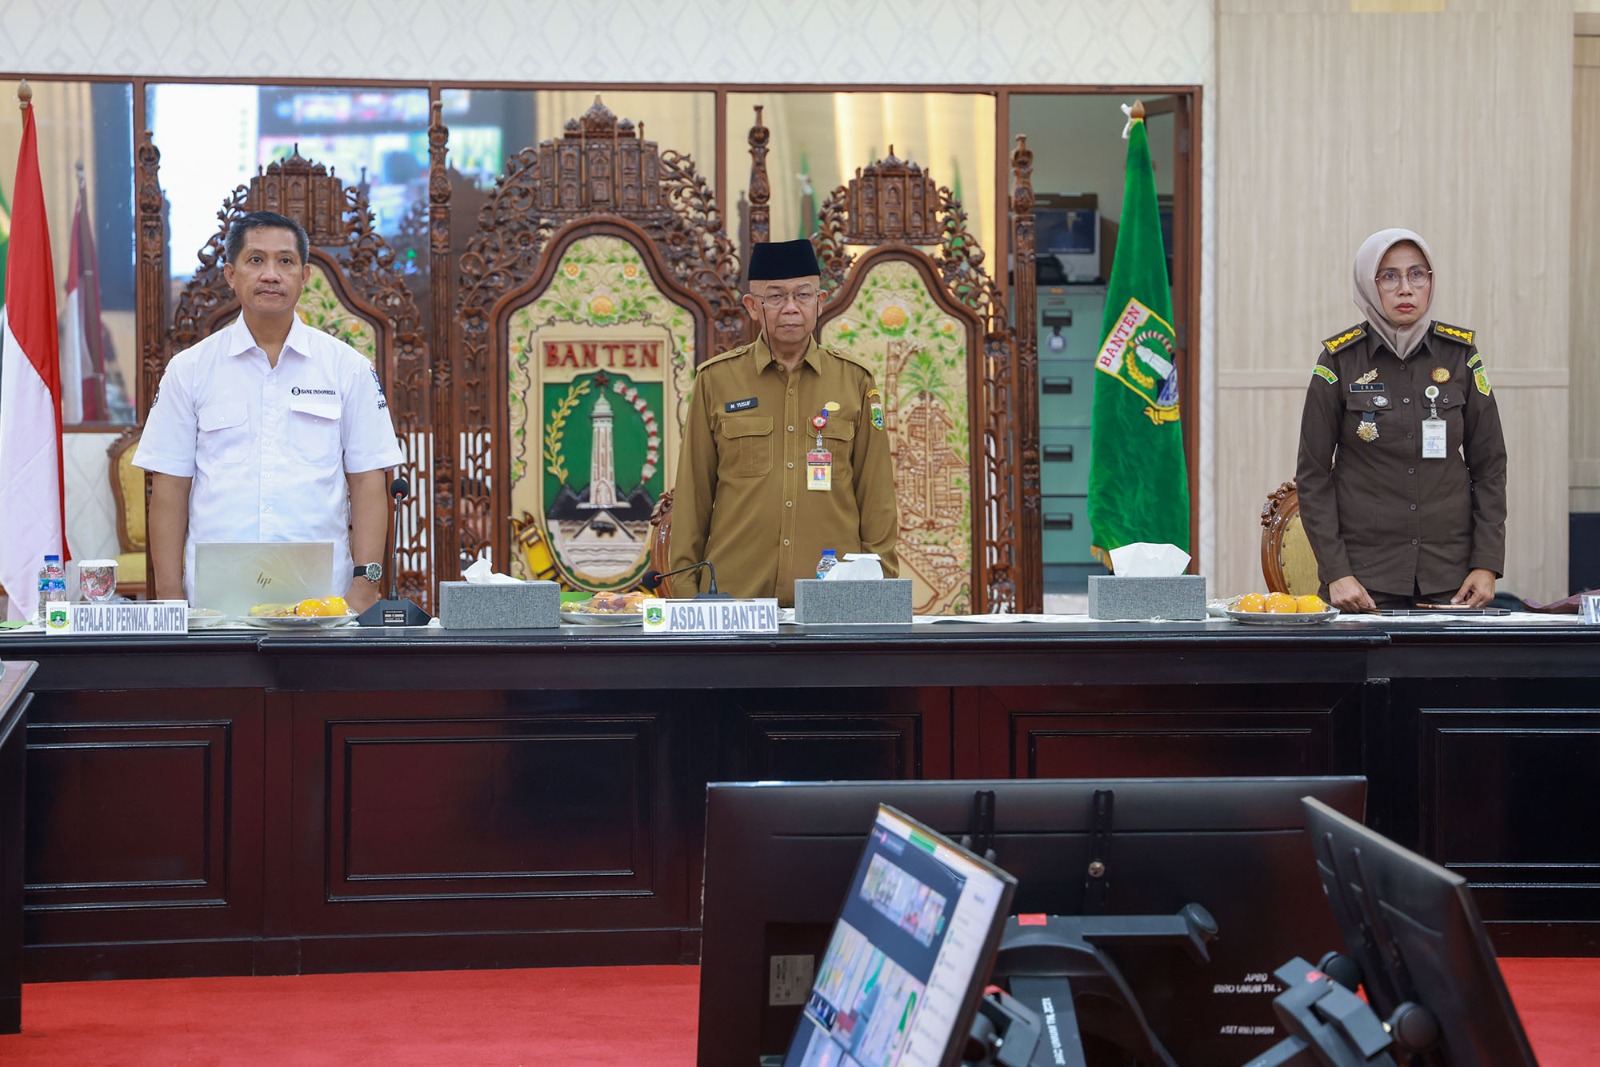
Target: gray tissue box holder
{"x": 1182, "y": 596}
{"x": 877, "y": 602}
{"x": 528, "y": 606}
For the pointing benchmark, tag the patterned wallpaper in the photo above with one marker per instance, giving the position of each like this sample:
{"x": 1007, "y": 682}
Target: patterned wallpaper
{"x": 860, "y": 41}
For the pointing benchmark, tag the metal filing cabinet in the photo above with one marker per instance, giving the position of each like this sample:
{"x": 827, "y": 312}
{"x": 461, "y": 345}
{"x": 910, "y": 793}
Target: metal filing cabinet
{"x": 1069, "y": 338}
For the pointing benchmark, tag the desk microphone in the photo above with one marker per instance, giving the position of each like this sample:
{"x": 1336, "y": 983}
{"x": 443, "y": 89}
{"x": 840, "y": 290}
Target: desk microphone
{"x": 652, "y": 580}
{"x": 394, "y": 611}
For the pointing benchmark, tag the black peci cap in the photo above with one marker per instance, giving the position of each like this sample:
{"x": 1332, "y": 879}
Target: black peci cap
{"x": 780, "y": 260}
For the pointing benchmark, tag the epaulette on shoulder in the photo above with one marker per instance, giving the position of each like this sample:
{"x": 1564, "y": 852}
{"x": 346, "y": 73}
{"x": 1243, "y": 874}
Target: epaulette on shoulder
{"x": 723, "y": 357}
{"x": 1347, "y": 337}
{"x": 1454, "y": 333}
{"x": 848, "y": 357}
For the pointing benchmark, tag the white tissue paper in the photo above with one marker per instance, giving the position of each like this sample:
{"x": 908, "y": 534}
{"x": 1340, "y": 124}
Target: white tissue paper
{"x": 1145, "y": 560}
{"x": 482, "y": 572}
{"x": 856, "y": 567}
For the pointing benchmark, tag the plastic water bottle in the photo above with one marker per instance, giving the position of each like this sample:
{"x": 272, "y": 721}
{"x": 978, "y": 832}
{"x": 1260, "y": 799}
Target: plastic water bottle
{"x": 52, "y": 584}
{"x": 829, "y": 560}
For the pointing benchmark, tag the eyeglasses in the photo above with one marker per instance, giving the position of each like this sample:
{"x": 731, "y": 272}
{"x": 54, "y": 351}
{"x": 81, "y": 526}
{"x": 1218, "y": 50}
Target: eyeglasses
{"x": 776, "y": 301}
{"x": 1416, "y": 277}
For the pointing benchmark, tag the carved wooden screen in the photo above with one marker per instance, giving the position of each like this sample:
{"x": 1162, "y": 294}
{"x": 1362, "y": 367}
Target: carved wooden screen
{"x": 354, "y": 293}
{"x": 914, "y": 301}
{"x": 598, "y": 277}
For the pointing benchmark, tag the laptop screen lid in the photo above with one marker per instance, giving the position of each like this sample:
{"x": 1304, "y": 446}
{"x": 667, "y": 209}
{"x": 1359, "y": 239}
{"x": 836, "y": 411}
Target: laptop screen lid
{"x": 234, "y": 576}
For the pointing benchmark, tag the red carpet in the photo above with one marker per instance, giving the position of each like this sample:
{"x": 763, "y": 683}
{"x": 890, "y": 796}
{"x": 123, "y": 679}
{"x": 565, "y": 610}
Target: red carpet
{"x": 599, "y": 1017}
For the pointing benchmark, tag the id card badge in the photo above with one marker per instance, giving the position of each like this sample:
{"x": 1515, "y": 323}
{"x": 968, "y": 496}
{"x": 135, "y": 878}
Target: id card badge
{"x": 1433, "y": 439}
{"x": 819, "y": 470}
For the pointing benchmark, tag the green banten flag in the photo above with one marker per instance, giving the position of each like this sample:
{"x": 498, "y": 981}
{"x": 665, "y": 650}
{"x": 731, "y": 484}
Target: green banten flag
{"x": 1138, "y": 483}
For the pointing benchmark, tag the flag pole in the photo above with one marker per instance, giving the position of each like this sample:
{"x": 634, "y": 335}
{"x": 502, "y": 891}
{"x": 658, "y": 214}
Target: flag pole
{"x": 24, "y": 94}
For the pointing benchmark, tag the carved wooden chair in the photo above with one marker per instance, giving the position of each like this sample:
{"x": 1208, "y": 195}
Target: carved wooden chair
{"x": 600, "y": 229}
{"x": 127, "y": 489}
{"x": 956, "y": 360}
{"x": 1287, "y": 562}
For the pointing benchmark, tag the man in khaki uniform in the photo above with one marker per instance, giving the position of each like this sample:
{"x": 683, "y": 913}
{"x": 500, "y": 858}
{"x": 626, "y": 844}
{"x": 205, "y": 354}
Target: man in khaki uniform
{"x": 756, "y": 495}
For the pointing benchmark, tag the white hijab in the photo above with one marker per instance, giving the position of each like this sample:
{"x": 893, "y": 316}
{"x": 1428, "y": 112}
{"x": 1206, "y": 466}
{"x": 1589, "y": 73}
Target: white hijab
{"x": 1402, "y": 340}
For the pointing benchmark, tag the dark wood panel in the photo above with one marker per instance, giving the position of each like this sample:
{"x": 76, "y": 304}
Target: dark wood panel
{"x": 465, "y": 813}
{"x": 1093, "y": 731}
{"x": 144, "y": 815}
{"x": 506, "y": 806}
{"x": 14, "y": 703}
{"x": 837, "y": 735}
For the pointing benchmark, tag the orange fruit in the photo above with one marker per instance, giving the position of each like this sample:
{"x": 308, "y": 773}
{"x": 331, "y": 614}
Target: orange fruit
{"x": 1311, "y": 603}
{"x": 333, "y": 605}
{"x": 309, "y": 606}
{"x": 1281, "y": 604}
{"x": 1251, "y": 602}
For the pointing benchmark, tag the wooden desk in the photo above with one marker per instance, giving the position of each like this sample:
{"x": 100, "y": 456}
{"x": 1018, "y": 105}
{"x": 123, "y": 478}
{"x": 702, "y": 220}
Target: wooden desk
{"x": 13, "y": 762}
{"x": 237, "y": 803}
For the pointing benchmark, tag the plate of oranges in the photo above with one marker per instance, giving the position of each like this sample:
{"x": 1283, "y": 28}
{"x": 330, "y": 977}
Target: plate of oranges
{"x": 312, "y": 613}
{"x": 1280, "y": 609}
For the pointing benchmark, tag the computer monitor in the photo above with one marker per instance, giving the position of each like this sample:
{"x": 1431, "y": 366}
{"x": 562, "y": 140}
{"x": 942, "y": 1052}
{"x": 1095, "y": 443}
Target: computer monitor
{"x": 909, "y": 954}
{"x": 779, "y": 857}
{"x": 1412, "y": 930}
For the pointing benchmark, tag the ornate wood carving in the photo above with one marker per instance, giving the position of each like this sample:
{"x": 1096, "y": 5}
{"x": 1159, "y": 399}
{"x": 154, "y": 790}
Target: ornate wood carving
{"x": 151, "y": 289}
{"x": 894, "y": 207}
{"x": 1024, "y": 306}
{"x": 760, "y": 187}
{"x": 441, "y": 284}
{"x": 602, "y": 170}
{"x": 361, "y": 267}
{"x": 1283, "y": 504}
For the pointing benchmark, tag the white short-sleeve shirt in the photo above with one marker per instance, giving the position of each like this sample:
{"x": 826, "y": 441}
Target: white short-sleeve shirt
{"x": 268, "y": 447}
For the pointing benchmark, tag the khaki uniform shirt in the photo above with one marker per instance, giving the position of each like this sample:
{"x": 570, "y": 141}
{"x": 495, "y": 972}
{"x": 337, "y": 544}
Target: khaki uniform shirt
{"x": 741, "y": 499}
{"x": 1372, "y": 507}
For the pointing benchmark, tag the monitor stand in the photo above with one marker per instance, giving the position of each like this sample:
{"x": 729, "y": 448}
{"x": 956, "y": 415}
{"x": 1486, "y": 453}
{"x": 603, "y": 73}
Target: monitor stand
{"x": 1330, "y": 1026}
{"x": 1047, "y": 960}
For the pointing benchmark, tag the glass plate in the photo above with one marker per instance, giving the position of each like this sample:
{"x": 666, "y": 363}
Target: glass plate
{"x": 586, "y": 618}
{"x": 1297, "y": 618}
{"x": 205, "y": 618}
{"x": 299, "y": 622}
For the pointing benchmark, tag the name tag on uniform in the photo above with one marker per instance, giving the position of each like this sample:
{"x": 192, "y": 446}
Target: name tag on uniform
{"x": 740, "y": 405}
{"x": 819, "y": 470}
{"x": 1366, "y": 387}
{"x": 1433, "y": 439}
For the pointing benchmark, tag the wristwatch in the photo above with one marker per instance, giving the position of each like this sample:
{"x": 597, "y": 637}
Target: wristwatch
{"x": 372, "y": 572}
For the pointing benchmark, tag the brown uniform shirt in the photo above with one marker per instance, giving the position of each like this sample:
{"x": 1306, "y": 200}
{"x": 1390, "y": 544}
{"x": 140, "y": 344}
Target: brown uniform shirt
{"x": 741, "y": 499}
{"x": 1371, "y": 505}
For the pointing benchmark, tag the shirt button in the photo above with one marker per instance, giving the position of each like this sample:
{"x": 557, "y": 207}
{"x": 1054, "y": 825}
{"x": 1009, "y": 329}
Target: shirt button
{"x": 1410, "y": 436}
{"x": 1413, "y": 507}
{"x": 1411, "y": 470}
{"x": 1413, "y": 540}
{"x": 791, "y": 393}
{"x": 791, "y": 466}
{"x": 788, "y": 503}
{"x": 1405, "y": 400}
{"x": 786, "y": 544}
{"x": 791, "y": 429}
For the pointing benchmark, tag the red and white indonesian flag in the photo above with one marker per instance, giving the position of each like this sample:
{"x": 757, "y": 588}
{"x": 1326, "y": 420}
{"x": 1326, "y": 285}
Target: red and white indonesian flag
{"x": 83, "y": 364}
{"x": 32, "y": 497}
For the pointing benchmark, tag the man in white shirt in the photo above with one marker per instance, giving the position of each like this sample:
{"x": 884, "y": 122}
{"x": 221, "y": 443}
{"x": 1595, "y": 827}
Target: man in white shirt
{"x": 269, "y": 430}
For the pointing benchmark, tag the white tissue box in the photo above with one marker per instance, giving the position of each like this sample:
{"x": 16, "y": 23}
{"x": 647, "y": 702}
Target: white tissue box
{"x": 517, "y": 606}
{"x": 1182, "y": 596}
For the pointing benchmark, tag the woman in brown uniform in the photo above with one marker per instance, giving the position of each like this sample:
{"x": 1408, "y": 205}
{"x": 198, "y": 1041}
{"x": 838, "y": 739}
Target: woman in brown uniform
{"x": 1402, "y": 465}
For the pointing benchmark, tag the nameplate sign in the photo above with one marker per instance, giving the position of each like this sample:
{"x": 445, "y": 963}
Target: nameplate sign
{"x": 758, "y": 616}
{"x": 111, "y": 620}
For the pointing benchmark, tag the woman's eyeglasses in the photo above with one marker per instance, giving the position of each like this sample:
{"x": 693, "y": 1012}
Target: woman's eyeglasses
{"x": 1416, "y": 277}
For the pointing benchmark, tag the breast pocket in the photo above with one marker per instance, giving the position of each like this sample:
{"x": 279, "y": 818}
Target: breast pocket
{"x": 224, "y": 433}
{"x": 746, "y": 446}
{"x": 838, "y": 437}
{"x": 314, "y": 429}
